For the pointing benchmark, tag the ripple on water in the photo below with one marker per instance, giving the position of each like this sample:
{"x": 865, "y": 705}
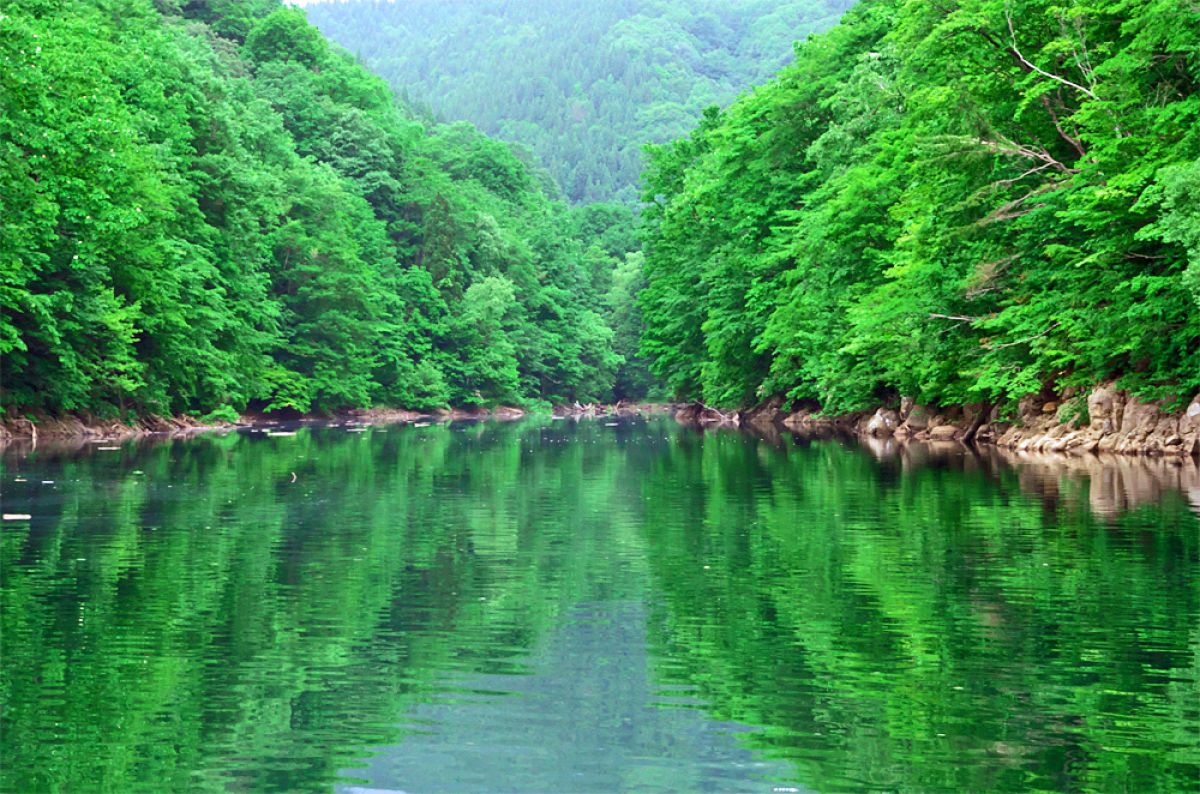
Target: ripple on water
{"x": 576, "y": 607}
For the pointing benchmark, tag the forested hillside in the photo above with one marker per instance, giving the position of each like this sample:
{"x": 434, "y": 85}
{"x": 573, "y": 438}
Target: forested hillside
{"x": 207, "y": 207}
{"x": 959, "y": 202}
{"x": 204, "y": 206}
{"x": 583, "y": 83}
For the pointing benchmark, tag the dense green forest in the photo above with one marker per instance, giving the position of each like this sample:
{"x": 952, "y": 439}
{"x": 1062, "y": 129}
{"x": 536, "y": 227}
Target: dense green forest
{"x": 206, "y": 206}
{"x": 961, "y": 202}
{"x": 584, "y": 84}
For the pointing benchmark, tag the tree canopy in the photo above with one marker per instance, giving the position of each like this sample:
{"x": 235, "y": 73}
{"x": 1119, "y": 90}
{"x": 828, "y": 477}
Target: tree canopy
{"x": 208, "y": 205}
{"x": 961, "y": 202}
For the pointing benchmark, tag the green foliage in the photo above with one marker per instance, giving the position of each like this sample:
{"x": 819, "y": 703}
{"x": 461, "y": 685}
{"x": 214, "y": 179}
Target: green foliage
{"x": 206, "y": 205}
{"x": 224, "y": 413}
{"x": 285, "y": 35}
{"x": 633, "y": 378}
{"x": 488, "y": 357}
{"x": 1180, "y": 222}
{"x": 963, "y": 203}
{"x": 583, "y": 84}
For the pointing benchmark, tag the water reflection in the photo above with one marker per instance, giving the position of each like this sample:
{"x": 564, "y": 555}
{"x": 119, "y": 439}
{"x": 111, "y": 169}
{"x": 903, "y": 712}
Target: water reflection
{"x": 1114, "y": 484}
{"x": 584, "y": 716}
{"x": 577, "y": 606}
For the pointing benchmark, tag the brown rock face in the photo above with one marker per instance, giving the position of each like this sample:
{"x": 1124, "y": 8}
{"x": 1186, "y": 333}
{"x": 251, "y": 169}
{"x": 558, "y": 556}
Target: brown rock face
{"x": 883, "y": 423}
{"x": 1190, "y": 421}
{"x": 1117, "y": 423}
{"x": 972, "y": 412}
{"x": 1139, "y": 418}
{"x": 766, "y": 414}
{"x": 1029, "y": 409}
{"x": 918, "y": 418}
{"x": 945, "y": 433}
{"x": 1106, "y": 406}
{"x": 1047, "y": 423}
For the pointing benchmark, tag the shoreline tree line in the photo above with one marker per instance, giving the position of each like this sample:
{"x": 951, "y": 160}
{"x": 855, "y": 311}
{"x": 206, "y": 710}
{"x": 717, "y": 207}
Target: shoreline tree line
{"x": 206, "y": 207}
{"x": 958, "y": 202}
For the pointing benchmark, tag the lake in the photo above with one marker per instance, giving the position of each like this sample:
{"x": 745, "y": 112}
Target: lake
{"x": 594, "y": 607}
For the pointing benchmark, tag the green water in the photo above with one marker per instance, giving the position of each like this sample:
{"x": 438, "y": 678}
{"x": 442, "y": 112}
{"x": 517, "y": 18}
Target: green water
{"x": 545, "y": 606}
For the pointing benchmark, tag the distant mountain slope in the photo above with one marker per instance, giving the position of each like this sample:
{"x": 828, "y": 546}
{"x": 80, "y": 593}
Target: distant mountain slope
{"x": 584, "y": 84}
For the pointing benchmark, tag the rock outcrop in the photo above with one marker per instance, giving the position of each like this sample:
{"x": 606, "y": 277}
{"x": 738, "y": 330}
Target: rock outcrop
{"x": 768, "y": 414}
{"x": 1107, "y": 420}
{"x": 883, "y": 423}
{"x": 1116, "y": 422}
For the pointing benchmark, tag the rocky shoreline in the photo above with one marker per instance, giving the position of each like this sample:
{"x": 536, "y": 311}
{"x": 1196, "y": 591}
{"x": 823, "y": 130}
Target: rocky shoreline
{"x": 1105, "y": 421}
{"x": 86, "y": 427}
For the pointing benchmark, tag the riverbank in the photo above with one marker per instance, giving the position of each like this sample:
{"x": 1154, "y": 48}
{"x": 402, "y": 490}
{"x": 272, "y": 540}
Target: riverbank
{"x": 88, "y": 427}
{"x": 34, "y": 426}
{"x": 1106, "y": 420}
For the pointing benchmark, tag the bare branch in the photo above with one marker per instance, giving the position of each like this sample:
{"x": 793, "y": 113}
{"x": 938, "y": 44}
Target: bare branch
{"x": 1075, "y": 142}
{"x": 1034, "y": 67}
{"x": 1041, "y": 154}
{"x": 1016, "y": 179}
{"x": 1084, "y": 62}
{"x": 1026, "y": 340}
{"x": 1008, "y": 211}
{"x": 1027, "y": 67}
{"x": 986, "y": 274}
{"x": 998, "y": 185}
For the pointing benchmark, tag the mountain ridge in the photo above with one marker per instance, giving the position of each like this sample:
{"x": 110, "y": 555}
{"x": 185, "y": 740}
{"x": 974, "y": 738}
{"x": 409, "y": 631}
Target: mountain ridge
{"x": 585, "y": 86}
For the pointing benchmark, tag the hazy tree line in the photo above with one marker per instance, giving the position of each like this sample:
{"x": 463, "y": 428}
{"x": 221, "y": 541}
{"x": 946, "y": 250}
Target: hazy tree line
{"x": 583, "y": 84}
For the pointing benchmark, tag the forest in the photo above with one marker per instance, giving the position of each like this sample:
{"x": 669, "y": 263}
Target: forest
{"x": 206, "y": 208}
{"x": 583, "y": 84}
{"x": 963, "y": 202}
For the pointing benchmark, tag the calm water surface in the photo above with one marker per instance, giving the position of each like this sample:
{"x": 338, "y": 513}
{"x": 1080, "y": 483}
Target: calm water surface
{"x": 561, "y": 607}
